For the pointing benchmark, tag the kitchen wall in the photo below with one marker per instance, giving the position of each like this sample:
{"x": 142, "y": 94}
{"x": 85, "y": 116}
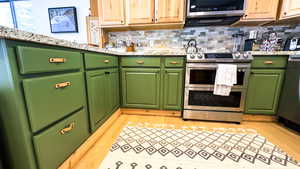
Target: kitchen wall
{"x": 211, "y": 39}
{"x": 41, "y": 18}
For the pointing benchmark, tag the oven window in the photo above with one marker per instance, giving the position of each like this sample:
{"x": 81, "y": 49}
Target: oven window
{"x": 207, "y": 77}
{"x": 207, "y": 98}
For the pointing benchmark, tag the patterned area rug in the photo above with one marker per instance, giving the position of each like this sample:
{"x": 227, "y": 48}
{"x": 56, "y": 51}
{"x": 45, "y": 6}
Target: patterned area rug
{"x": 146, "y": 146}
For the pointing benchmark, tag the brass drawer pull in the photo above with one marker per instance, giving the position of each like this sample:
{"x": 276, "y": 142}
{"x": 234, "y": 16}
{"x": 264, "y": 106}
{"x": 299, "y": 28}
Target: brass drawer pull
{"x": 140, "y": 62}
{"x": 57, "y": 60}
{"x": 62, "y": 85}
{"x": 67, "y": 129}
{"x": 268, "y": 62}
{"x": 106, "y": 61}
{"x": 174, "y": 62}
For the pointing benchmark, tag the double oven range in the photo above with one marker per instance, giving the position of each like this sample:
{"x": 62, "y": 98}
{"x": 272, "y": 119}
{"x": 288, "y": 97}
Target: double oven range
{"x": 200, "y": 102}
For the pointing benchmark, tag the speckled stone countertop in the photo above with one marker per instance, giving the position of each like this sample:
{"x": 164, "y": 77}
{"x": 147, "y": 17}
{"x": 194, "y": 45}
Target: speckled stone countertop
{"x": 15, "y": 34}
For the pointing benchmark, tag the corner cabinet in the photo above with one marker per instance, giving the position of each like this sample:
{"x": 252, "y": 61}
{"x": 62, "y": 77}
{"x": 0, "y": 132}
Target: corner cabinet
{"x": 141, "y": 87}
{"x": 102, "y": 87}
{"x": 152, "y": 82}
{"x": 265, "y": 83}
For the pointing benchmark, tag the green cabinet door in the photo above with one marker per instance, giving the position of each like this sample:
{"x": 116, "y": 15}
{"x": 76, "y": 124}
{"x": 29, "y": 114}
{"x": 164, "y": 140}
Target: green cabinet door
{"x": 97, "y": 101}
{"x": 141, "y": 87}
{"x": 263, "y": 91}
{"x": 113, "y": 90}
{"x": 173, "y": 89}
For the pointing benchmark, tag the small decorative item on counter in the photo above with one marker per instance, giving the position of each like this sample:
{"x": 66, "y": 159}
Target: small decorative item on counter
{"x": 270, "y": 42}
{"x": 130, "y": 48}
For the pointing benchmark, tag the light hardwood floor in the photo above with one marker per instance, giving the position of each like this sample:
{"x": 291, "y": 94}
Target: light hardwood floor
{"x": 286, "y": 139}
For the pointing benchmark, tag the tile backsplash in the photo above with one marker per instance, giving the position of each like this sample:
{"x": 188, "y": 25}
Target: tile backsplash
{"x": 211, "y": 39}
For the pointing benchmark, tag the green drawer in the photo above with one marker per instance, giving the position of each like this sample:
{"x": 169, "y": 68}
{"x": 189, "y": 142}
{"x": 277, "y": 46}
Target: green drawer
{"x": 174, "y": 62}
{"x": 56, "y": 144}
{"x": 140, "y": 61}
{"x": 100, "y": 61}
{"x": 50, "y": 98}
{"x": 269, "y": 62}
{"x": 37, "y": 60}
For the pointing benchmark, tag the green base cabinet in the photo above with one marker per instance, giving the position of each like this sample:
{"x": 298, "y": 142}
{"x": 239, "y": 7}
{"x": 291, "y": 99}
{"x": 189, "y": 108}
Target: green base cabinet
{"x": 103, "y": 95}
{"x": 141, "y": 87}
{"x": 173, "y": 83}
{"x": 264, "y": 91}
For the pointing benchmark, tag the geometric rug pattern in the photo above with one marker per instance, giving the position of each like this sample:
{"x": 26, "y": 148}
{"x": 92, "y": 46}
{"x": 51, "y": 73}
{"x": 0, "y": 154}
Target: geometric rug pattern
{"x": 164, "y": 148}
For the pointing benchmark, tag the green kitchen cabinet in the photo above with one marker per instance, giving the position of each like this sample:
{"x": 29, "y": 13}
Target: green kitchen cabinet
{"x": 173, "y": 89}
{"x": 264, "y": 91}
{"x": 113, "y": 90}
{"x": 141, "y": 87}
{"x": 103, "y": 95}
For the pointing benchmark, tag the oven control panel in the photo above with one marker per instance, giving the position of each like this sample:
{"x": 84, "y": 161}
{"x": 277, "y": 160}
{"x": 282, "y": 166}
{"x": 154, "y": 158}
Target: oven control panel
{"x": 219, "y": 57}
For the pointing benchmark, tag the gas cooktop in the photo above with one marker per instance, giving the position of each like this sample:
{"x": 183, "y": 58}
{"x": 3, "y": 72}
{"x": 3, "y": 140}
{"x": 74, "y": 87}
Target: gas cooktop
{"x": 220, "y": 57}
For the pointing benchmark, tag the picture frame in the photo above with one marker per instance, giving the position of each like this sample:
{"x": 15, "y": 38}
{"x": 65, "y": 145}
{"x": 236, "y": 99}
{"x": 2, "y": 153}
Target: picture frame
{"x": 63, "y": 19}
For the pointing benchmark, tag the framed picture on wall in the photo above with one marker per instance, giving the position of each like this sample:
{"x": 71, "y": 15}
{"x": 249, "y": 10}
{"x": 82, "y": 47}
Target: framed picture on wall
{"x": 63, "y": 20}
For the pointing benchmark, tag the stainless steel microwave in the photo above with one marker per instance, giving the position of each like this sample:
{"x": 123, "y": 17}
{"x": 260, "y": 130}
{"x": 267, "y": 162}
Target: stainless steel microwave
{"x": 215, "y": 8}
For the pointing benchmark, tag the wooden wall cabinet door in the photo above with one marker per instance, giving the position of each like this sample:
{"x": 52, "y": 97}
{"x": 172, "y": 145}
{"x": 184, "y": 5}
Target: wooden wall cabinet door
{"x": 261, "y": 10}
{"x": 139, "y": 11}
{"x": 169, "y": 11}
{"x": 290, "y": 9}
{"x": 111, "y": 12}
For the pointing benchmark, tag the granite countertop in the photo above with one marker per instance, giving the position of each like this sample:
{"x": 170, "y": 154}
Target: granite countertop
{"x": 15, "y": 34}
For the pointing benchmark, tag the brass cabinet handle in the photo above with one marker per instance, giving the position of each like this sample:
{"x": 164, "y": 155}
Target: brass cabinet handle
{"x": 106, "y": 61}
{"x": 62, "y": 85}
{"x": 174, "y": 62}
{"x": 57, "y": 60}
{"x": 140, "y": 62}
{"x": 268, "y": 62}
{"x": 67, "y": 129}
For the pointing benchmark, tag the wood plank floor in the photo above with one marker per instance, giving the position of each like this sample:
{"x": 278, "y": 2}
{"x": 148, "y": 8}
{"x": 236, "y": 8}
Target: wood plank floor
{"x": 287, "y": 139}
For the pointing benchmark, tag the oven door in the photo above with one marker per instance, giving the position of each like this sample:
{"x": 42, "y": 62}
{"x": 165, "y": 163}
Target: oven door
{"x": 204, "y": 99}
{"x": 204, "y": 74}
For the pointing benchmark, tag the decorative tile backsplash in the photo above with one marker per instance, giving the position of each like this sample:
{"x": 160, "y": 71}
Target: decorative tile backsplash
{"x": 211, "y": 39}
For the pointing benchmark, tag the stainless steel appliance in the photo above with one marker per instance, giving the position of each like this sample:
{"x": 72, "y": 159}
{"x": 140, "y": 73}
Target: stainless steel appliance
{"x": 289, "y": 104}
{"x": 199, "y": 100}
{"x": 214, "y": 12}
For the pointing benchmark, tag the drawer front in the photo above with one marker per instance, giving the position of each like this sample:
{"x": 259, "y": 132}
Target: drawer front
{"x": 140, "y": 62}
{"x": 56, "y": 144}
{"x": 174, "y": 62}
{"x": 100, "y": 60}
{"x": 269, "y": 62}
{"x": 38, "y": 60}
{"x": 50, "y": 98}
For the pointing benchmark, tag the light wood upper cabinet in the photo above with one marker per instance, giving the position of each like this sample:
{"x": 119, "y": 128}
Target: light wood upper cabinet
{"x": 139, "y": 11}
{"x": 111, "y": 12}
{"x": 261, "y": 10}
{"x": 290, "y": 9}
{"x": 169, "y": 11}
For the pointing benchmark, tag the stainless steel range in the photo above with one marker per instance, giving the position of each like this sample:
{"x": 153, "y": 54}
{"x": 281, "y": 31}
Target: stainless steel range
{"x": 200, "y": 102}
